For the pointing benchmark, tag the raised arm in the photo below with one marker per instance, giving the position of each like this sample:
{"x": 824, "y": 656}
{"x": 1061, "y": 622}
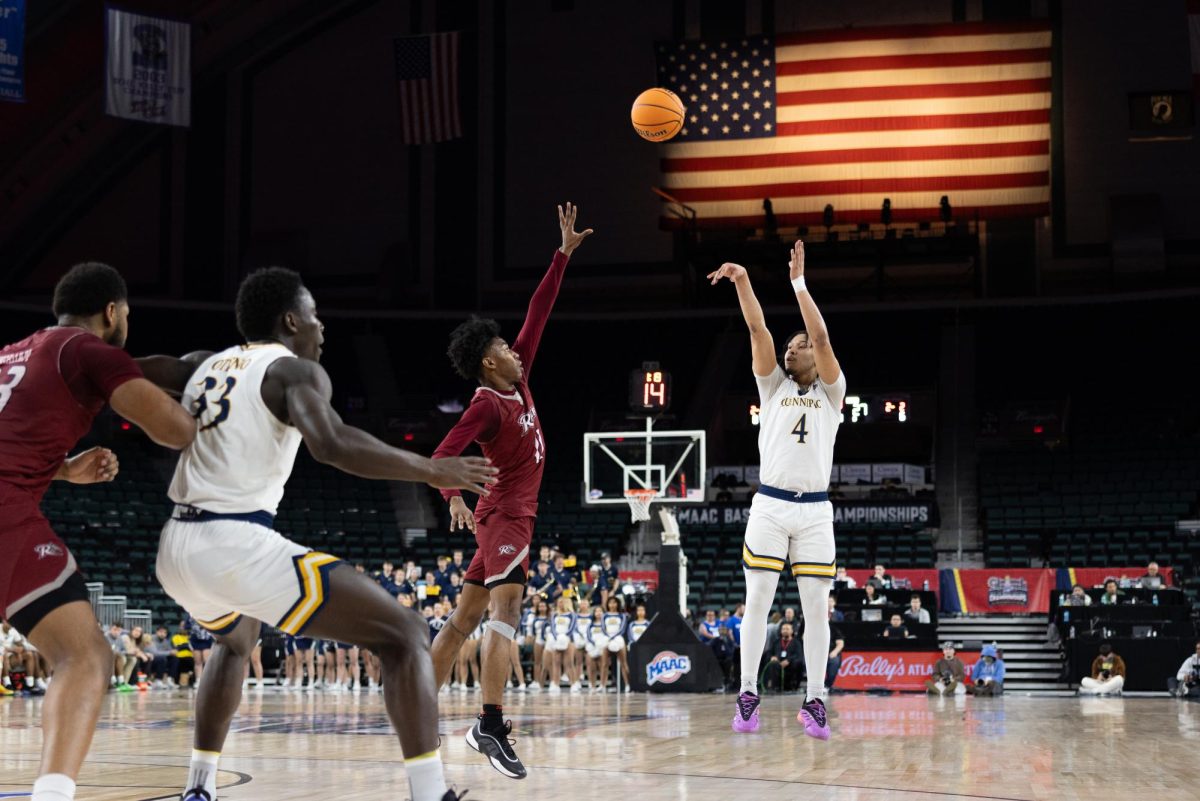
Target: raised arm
{"x": 307, "y": 390}
{"x": 171, "y": 373}
{"x": 542, "y": 302}
{"x": 762, "y": 345}
{"x": 827, "y": 364}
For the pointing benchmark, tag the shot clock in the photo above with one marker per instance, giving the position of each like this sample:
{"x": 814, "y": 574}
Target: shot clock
{"x": 649, "y": 389}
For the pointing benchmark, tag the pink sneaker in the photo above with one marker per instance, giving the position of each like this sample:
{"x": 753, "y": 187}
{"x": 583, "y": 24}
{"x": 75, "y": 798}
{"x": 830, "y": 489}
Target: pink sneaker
{"x": 812, "y": 715}
{"x": 745, "y": 719}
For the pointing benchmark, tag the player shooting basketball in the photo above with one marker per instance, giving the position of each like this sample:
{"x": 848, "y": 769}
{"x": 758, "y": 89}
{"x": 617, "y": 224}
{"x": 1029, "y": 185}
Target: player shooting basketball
{"x": 503, "y": 420}
{"x": 791, "y": 519}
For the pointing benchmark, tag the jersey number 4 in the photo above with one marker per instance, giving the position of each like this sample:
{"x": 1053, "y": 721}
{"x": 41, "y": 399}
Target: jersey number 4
{"x": 12, "y": 375}
{"x": 800, "y": 430}
{"x": 220, "y": 406}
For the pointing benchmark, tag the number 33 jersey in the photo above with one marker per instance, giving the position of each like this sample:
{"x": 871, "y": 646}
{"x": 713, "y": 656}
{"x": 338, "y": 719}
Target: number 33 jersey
{"x": 243, "y": 454}
{"x": 797, "y": 429}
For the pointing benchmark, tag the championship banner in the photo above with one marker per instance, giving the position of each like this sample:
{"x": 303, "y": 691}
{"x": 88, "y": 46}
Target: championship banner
{"x": 148, "y": 68}
{"x": 12, "y": 50}
{"x": 996, "y": 591}
{"x": 905, "y": 671}
{"x": 1090, "y": 577}
{"x": 901, "y": 579}
{"x": 915, "y": 513}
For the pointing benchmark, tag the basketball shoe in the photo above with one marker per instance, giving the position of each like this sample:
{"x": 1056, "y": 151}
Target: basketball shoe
{"x": 815, "y": 719}
{"x": 745, "y": 719}
{"x": 497, "y": 747}
{"x": 196, "y": 794}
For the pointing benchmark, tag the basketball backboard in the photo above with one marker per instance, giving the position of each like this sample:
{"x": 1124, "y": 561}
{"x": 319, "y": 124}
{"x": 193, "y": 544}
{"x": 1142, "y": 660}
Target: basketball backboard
{"x": 670, "y": 462}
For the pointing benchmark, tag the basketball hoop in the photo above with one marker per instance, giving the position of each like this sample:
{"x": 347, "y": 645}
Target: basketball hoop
{"x": 639, "y": 502}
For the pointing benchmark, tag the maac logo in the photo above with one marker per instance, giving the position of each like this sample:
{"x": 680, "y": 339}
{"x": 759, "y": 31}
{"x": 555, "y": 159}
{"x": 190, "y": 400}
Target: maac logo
{"x": 507, "y": 550}
{"x": 47, "y": 549}
{"x": 668, "y": 667}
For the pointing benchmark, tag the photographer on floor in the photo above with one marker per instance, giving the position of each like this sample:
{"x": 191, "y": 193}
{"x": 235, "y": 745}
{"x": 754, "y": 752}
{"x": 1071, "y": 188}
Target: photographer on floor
{"x": 949, "y": 674}
{"x": 987, "y": 677}
{"x": 1108, "y": 674}
{"x": 1186, "y": 683}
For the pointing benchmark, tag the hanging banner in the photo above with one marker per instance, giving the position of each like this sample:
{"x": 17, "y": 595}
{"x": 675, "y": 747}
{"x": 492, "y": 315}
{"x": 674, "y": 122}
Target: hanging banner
{"x": 148, "y": 68}
{"x": 1000, "y": 590}
{"x": 12, "y": 50}
{"x": 913, "y": 513}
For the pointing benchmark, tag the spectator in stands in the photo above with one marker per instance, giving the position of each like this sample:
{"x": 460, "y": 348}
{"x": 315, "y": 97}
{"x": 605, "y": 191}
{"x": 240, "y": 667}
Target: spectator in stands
{"x": 433, "y": 591}
{"x": 201, "y": 641}
{"x": 987, "y": 677}
{"x": 915, "y": 613}
{"x": 405, "y": 582}
{"x": 1186, "y": 683}
{"x": 442, "y": 574}
{"x": 183, "y": 651}
{"x": 540, "y": 582}
{"x": 544, "y": 556}
{"x": 451, "y": 591}
{"x": 835, "y": 616}
{"x": 873, "y": 597}
{"x": 120, "y": 645}
{"x": 610, "y": 577}
{"x": 882, "y": 579}
{"x": 384, "y": 576}
{"x": 562, "y": 576}
{"x": 1108, "y": 674}
{"x": 457, "y": 564}
{"x": 1112, "y": 595}
{"x": 949, "y": 673}
{"x": 139, "y": 644}
{"x": 789, "y": 616}
{"x": 1153, "y": 580}
{"x": 773, "y": 626}
{"x": 845, "y": 578}
{"x": 896, "y": 630}
{"x": 837, "y": 643}
{"x": 164, "y": 664}
{"x": 785, "y": 660}
{"x": 1078, "y": 597}
{"x": 709, "y": 628}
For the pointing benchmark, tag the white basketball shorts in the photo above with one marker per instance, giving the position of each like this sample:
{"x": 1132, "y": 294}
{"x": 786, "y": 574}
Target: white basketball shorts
{"x": 220, "y": 570}
{"x": 781, "y": 533}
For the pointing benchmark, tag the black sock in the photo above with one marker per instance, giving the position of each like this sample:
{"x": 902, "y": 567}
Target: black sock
{"x": 492, "y": 717}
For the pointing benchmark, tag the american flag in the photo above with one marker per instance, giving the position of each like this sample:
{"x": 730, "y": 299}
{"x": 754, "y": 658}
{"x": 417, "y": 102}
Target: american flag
{"x": 427, "y": 84}
{"x": 851, "y": 116}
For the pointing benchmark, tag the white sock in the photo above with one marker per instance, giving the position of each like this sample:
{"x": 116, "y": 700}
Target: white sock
{"x": 203, "y": 772}
{"x": 814, "y": 605}
{"x": 760, "y": 593}
{"x": 426, "y": 779}
{"x": 54, "y": 787}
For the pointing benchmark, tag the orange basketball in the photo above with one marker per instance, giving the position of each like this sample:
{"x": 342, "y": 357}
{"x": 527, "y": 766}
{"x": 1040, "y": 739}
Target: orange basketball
{"x": 657, "y": 114}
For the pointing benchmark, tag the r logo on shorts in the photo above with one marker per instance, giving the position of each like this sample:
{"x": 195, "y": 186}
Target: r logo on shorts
{"x": 47, "y": 549}
{"x": 507, "y": 550}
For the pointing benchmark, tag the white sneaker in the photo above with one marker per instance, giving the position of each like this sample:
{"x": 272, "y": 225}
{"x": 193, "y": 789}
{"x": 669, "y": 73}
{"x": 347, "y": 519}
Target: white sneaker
{"x": 375, "y": 688}
{"x": 521, "y": 688}
{"x": 533, "y": 685}
{"x": 555, "y": 689}
{"x": 445, "y": 690}
{"x": 454, "y": 685}
{"x": 576, "y": 689}
{"x": 158, "y": 684}
{"x": 41, "y": 684}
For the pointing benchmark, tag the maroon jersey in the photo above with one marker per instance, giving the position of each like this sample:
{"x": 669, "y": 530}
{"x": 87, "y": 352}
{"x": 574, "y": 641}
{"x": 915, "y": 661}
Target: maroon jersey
{"x": 52, "y": 386}
{"x": 506, "y": 425}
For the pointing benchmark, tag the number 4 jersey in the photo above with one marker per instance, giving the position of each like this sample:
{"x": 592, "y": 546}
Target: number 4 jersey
{"x": 798, "y": 426}
{"x": 243, "y": 454}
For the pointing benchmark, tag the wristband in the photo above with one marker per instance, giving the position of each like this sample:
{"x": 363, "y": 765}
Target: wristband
{"x": 798, "y": 284}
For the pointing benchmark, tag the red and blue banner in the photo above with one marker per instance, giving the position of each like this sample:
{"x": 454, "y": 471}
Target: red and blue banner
{"x": 901, "y": 579}
{"x": 1001, "y": 590}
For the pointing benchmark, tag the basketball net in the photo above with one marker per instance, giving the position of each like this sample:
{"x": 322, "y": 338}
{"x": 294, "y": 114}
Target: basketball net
{"x": 639, "y": 503}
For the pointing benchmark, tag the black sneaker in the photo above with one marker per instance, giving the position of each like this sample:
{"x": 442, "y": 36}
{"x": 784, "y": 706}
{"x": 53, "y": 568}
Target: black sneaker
{"x": 452, "y": 796}
{"x": 497, "y": 747}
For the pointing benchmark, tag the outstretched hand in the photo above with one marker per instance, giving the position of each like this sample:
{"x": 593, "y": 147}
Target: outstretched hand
{"x": 796, "y": 262}
{"x": 734, "y": 272}
{"x": 570, "y": 237}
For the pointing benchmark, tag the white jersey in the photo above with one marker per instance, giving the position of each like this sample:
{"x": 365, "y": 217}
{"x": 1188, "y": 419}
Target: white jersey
{"x": 242, "y": 455}
{"x": 797, "y": 429}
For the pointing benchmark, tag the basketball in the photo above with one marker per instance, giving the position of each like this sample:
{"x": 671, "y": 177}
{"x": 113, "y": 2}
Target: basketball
{"x": 657, "y": 114}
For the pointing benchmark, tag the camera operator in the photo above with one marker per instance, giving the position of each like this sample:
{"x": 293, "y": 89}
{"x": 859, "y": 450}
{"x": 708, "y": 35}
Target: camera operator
{"x": 987, "y": 677}
{"x": 1186, "y": 683}
{"x": 1108, "y": 674}
{"x": 949, "y": 674}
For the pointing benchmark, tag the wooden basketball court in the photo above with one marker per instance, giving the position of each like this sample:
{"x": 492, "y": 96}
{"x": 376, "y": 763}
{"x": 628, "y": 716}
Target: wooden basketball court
{"x": 896, "y": 748}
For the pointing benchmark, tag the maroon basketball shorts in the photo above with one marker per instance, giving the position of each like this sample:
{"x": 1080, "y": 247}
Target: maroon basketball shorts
{"x": 503, "y": 553}
{"x": 35, "y": 565}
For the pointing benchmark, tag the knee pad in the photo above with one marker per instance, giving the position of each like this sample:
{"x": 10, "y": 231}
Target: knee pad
{"x": 562, "y": 641}
{"x": 616, "y": 643}
{"x": 503, "y": 629}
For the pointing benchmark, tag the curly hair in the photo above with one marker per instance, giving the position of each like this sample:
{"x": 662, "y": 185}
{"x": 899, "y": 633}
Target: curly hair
{"x": 468, "y": 343}
{"x": 265, "y": 296}
{"x": 87, "y": 289}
